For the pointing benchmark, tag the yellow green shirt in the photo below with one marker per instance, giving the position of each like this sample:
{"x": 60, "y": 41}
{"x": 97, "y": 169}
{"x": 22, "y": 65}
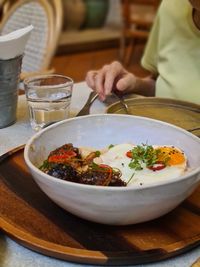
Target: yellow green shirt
{"x": 173, "y": 52}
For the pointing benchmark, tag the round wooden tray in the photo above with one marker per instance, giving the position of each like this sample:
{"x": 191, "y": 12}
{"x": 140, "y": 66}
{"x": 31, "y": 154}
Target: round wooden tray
{"x": 179, "y": 113}
{"x": 32, "y": 219}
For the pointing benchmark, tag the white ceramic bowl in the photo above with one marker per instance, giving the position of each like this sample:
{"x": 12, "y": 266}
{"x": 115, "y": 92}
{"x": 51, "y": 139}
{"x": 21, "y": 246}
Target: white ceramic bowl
{"x": 114, "y": 205}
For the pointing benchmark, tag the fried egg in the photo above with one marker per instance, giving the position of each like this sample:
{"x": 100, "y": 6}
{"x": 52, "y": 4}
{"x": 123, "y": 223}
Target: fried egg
{"x": 116, "y": 158}
{"x": 175, "y": 164}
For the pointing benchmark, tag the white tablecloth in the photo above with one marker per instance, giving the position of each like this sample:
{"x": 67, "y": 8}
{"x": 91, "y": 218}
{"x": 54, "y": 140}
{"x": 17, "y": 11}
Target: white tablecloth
{"x": 14, "y": 255}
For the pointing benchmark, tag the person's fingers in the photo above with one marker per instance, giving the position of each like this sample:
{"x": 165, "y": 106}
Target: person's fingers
{"x": 108, "y": 78}
{"x": 99, "y": 81}
{"x": 126, "y": 83}
{"x": 115, "y": 70}
{"x": 90, "y": 79}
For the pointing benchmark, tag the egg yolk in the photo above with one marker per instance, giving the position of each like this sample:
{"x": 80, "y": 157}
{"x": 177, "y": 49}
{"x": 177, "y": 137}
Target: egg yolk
{"x": 171, "y": 155}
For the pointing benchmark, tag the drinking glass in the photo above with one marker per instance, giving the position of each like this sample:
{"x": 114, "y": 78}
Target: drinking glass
{"x": 48, "y": 98}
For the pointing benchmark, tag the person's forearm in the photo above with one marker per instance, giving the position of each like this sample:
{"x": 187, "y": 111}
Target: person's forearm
{"x": 144, "y": 86}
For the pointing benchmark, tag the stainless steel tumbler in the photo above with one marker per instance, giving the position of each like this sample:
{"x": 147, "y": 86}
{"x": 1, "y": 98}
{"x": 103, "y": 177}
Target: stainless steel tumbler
{"x": 9, "y": 77}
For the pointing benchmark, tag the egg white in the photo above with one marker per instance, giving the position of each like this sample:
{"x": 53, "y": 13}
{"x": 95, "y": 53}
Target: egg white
{"x": 116, "y": 158}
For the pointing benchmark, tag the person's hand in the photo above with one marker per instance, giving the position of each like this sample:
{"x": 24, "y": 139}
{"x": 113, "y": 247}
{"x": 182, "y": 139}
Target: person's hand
{"x": 110, "y": 77}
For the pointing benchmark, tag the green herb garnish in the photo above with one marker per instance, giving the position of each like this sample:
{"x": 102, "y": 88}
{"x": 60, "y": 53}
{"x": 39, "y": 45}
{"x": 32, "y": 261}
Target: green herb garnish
{"x": 97, "y": 153}
{"x": 110, "y": 146}
{"x": 130, "y": 178}
{"x": 143, "y": 155}
{"x": 45, "y": 165}
{"x": 94, "y": 166}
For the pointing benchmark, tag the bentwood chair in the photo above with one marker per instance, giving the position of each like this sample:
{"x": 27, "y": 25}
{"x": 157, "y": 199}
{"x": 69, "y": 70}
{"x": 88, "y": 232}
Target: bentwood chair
{"x": 4, "y": 7}
{"x": 58, "y": 18}
{"x": 138, "y": 16}
{"x": 46, "y": 17}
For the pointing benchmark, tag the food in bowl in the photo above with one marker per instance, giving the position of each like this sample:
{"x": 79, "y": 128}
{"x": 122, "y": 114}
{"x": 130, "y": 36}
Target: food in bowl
{"x": 75, "y": 165}
{"x": 145, "y": 164}
{"x": 115, "y": 165}
{"x": 116, "y": 205}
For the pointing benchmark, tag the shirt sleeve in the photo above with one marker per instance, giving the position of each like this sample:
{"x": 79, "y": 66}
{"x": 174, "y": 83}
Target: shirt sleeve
{"x": 150, "y": 57}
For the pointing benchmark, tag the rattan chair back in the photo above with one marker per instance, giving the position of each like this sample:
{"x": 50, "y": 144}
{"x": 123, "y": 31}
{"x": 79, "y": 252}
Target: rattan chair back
{"x": 43, "y": 40}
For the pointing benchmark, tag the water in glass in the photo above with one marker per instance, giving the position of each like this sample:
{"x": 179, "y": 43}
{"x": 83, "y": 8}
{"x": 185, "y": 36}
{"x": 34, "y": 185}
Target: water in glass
{"x": 48, "y": 104}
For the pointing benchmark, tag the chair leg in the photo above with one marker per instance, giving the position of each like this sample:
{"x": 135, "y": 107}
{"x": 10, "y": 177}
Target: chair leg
{"x": 129, "y": 52}
{"x": 122, "y": 48}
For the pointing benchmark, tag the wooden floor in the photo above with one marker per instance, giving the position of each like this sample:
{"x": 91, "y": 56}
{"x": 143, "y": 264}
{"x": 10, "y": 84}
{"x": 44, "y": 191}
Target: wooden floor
{"x": 76, "y": 65}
